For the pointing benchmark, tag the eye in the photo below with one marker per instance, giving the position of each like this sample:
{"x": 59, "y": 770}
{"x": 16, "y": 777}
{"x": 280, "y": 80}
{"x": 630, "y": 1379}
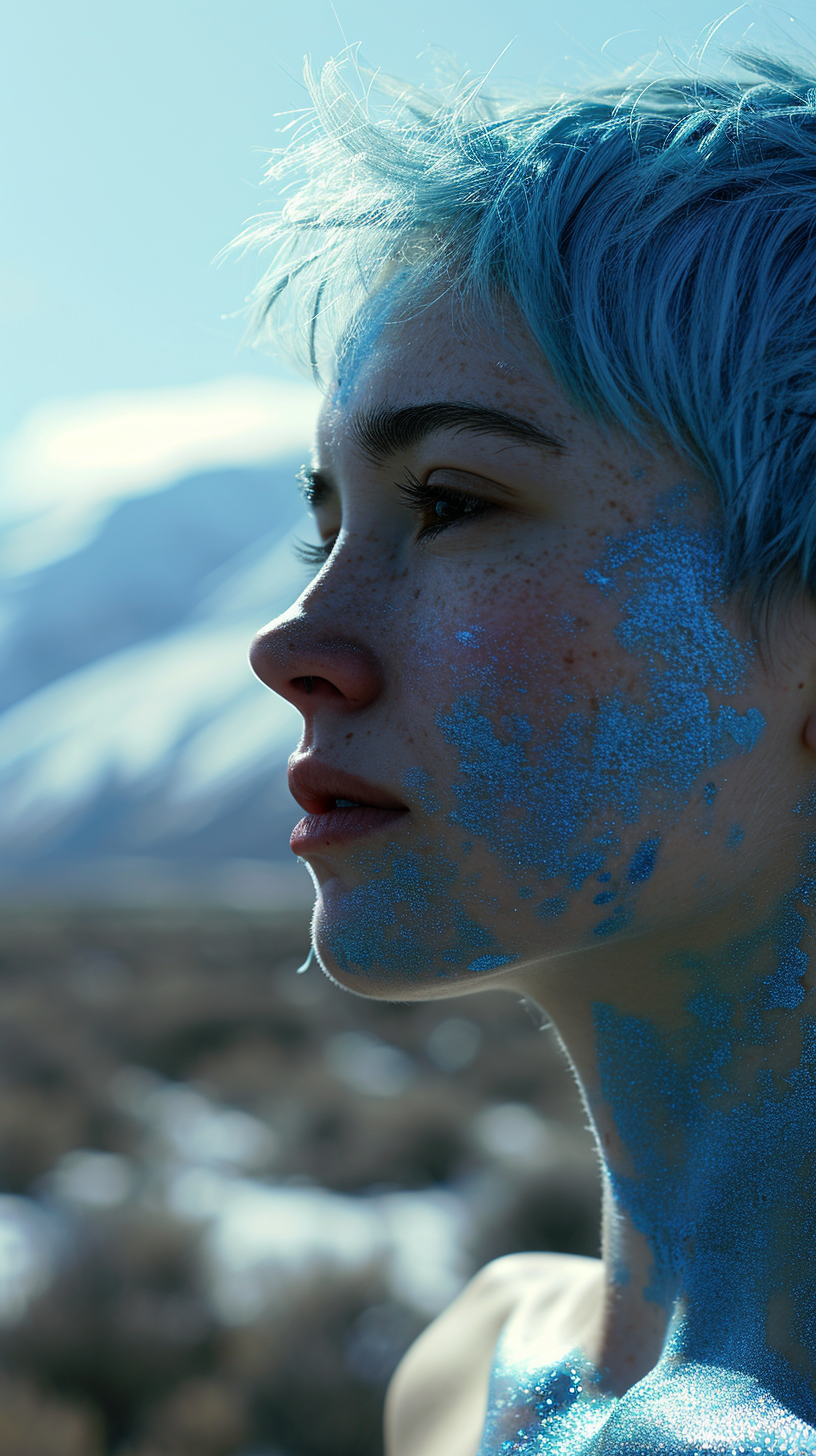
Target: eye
{"x": 440, "y": 507}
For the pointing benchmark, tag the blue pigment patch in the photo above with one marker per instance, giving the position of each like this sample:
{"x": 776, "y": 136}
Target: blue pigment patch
{"x": 735, "y": 836}
{"x": 737, "y": 1127}
{"x": 710, "y": 1008}
{"x": 548, "y": 909}
{"x": 605, "y": 897}
{"x": 619, "y": 918}
{"x": 491, "y": 962}
{"x": 525, "y": 892}
{"x": 583, "y": 866}
{"x": 745, "y": 729}
{"x": 716, "y": 1147}
{"x": 405, "y": 916}
{"x": 537, "y": 794}
{"x": 710, "y": 793}
{"x": 417, "y": 781}
{"x": 604, "y": 879}
{"x": 595, "y": 579}
{"x": 642, "y": 863}
{"x": 765, "y": 1080}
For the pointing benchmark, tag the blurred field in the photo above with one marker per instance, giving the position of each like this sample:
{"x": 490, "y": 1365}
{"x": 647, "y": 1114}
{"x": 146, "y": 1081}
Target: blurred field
{"x": 232, "y": 1196}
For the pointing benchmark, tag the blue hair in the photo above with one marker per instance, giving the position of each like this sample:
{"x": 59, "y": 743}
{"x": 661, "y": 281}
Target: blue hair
{"x": 658, "y": 242}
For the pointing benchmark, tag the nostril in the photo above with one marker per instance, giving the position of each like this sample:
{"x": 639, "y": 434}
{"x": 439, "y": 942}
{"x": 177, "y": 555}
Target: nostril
{"x": 310, "y": 684}
{"x": 335, "y": 670}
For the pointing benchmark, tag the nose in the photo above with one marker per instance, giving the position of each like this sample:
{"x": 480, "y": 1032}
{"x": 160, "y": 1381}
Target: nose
{"x": 313, "y": 668}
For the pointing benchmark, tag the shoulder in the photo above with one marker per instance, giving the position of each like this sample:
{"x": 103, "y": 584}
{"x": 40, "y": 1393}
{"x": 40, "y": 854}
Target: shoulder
{"x": 437, "y": 1399}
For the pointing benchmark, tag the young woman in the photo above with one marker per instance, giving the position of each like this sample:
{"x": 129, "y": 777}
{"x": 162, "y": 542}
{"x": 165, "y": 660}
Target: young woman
{"x": 557, "y": 671}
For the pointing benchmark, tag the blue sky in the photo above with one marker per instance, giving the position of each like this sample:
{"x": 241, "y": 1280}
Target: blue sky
{"x": 134, "y": 139}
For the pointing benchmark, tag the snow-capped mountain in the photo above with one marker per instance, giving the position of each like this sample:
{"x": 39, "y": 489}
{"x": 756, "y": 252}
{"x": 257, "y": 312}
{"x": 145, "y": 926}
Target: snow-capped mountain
{"x": 136, "y": 747}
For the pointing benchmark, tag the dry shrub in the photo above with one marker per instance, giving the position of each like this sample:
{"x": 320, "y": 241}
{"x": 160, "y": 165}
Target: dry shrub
{"x": 36, "y": 1423}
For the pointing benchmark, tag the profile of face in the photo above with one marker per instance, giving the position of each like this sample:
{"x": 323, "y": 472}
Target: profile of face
{"x": 543, "y": 749}
{"x": 520, "y": 658}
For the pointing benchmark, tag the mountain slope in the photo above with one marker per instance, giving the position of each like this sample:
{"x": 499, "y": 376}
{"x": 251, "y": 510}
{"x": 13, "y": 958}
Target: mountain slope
{"x": 132, "y": 728}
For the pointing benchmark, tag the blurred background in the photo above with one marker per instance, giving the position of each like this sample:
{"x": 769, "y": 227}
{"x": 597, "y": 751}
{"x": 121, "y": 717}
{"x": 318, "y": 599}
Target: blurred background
{"x": 230, "y": 1197}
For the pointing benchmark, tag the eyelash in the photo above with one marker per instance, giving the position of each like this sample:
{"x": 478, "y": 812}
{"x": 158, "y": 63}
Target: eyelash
{"x": 421, "y": 499}
{"x": 314, "y": 555}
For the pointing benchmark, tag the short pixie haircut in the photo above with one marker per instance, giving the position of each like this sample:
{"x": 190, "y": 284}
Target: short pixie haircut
{"x": 658, "y": 240}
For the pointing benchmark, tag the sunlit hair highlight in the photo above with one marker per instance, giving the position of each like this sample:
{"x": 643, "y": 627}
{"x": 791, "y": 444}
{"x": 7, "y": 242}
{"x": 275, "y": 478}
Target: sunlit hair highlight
{"x": 657, "y": 240}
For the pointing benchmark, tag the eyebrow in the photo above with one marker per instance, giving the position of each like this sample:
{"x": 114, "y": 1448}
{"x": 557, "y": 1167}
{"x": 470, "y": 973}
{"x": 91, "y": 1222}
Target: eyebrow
{"x": 383, "y": 432}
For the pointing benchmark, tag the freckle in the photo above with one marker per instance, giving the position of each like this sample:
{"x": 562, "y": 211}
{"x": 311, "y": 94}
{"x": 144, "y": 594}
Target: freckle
{"x": 569, "y": 658}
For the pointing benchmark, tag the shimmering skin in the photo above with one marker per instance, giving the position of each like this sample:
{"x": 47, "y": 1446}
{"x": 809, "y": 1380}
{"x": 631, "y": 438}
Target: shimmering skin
{"x": 611, "y": 794}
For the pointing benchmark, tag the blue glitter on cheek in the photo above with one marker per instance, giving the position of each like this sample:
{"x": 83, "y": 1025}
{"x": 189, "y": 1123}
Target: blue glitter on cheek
{"x": 548, "y": 909}
{"x": 404, "y": 919}
{"x": 618, "y": 920}
{"x": 745, "y": 729}
{"x": 710, "y": 1008}
{"x": 491, "y": 962}
{"x": 595, "y": 578}
{"x": 535, "y": 791}
{"x": 736, "y": 834}
{"x": 643, "y": 861}
{"x": 583, "y": 866}
{"x": 716, "y": 1174}
{"x": 417, "y": 781}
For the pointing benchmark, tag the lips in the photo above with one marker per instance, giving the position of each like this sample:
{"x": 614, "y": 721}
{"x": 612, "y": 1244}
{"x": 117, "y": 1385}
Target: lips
{"x": 339, "y": 806}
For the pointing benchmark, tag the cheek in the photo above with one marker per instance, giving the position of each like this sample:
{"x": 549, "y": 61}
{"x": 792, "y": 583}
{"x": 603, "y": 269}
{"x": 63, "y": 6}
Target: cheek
{"x": 570, "y": 750}
{"x": 541, "y": 768}
{"x": 553, "y": 741}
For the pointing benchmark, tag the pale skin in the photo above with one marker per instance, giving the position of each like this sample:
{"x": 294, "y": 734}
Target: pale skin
{"x": 369, "y": 655}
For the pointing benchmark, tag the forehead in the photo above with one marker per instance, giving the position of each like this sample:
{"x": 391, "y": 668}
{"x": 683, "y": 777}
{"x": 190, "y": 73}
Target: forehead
{"x": 441, "y": 354}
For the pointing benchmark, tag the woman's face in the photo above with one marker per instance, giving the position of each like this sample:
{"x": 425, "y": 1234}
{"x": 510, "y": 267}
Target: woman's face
{"x": 518, "y": 654}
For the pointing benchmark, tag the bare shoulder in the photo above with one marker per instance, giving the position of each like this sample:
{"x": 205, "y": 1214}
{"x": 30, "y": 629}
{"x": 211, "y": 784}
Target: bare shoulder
{"x": 437, "y": 1399}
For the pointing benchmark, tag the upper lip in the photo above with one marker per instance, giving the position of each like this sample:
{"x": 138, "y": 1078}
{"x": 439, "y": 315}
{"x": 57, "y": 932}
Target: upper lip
{"x": 316, "y": 786}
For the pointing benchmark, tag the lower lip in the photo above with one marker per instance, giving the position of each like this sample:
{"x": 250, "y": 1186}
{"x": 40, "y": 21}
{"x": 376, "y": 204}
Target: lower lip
{"x": 339, "y": 826}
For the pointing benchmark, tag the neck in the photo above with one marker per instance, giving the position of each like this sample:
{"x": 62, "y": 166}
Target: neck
{"x": 704, "y": 1108}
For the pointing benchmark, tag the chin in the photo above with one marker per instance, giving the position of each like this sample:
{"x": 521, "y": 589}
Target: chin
{"x": 403, "y": 940}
